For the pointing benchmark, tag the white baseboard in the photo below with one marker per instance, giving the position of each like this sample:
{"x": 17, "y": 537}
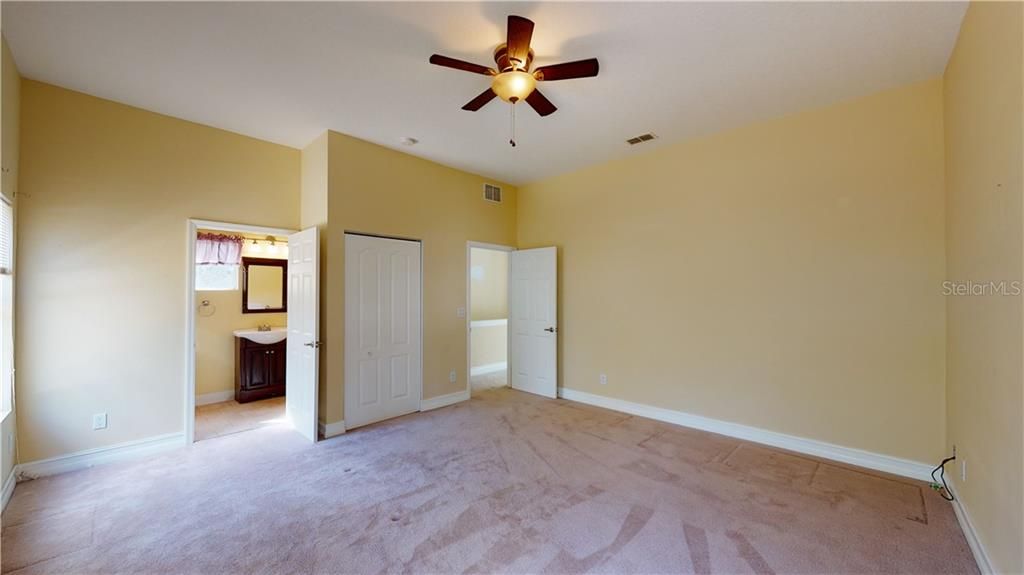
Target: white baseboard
{"x": 12, "y": 478}
{"x": 973, "y": 541}
{"x": 215, "y": 397}
{"x": 488, "y": 368}
{"x": 443, "y": 400}
{"x": 331, "y": 429}
{"x": 92, "y": 457}
{"x": 876, "y": 461}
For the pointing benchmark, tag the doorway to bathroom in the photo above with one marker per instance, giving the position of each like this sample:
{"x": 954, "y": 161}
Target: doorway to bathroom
{"x": 252, "y": 324}
{"x": 488, "y": 294}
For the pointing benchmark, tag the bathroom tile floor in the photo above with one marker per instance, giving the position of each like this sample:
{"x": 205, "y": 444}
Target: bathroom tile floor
{"x": 227, "y": 417}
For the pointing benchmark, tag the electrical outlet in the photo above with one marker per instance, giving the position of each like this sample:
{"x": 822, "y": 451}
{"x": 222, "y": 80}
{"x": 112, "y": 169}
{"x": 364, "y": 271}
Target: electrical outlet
{"x": 452, "y": 376}
{"x": 963, "y": 470}
{"x": 603, "y": 379}
{"x": 99, "y": 421}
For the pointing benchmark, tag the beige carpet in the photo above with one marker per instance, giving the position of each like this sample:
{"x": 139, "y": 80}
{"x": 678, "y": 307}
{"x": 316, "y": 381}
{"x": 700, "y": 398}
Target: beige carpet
{"x": 227, "y": 417}
{"x": 506, "y": 482}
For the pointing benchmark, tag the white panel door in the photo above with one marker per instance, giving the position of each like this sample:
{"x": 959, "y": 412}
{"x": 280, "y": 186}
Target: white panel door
{"x": 383, "y": 367}
{"x": 532, "y": 329}
{"x": 301, "y": 383}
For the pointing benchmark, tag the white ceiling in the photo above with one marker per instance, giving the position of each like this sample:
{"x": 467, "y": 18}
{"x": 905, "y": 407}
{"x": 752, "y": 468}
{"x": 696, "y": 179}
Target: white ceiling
{"x": 285, "y": 72}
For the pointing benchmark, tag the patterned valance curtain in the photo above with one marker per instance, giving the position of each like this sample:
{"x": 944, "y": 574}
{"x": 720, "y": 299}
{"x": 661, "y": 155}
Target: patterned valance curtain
{"x": 218, "y": 249}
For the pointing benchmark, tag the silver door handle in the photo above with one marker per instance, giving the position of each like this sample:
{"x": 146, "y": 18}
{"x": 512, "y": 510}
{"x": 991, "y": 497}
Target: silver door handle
{"x": 551, "y": 329}
{"x": 313, "y": 344}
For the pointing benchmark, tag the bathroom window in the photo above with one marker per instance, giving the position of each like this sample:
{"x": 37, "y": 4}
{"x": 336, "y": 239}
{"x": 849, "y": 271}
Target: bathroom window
{"x": 216, "y": 277}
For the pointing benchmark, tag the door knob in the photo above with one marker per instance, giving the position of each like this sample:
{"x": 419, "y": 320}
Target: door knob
{"x": 313, "y": 344}
{"x": 550, "y": 329}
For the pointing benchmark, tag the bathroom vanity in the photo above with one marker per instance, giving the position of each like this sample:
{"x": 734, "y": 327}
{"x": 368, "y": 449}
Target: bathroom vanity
{"x": 260, "y": 363}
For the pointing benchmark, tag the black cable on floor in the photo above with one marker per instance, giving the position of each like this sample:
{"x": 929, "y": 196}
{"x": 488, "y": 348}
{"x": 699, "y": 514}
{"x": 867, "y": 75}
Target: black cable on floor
{"x": 944, "y": 489}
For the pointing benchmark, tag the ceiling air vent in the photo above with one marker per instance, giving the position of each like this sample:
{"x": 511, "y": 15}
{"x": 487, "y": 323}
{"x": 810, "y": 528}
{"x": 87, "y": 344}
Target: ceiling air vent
{"x": 492, "y": 193}
{"x": 640, "y": 139}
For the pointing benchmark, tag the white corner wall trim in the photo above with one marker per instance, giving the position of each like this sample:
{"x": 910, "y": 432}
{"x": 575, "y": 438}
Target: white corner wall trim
{"x": 973, "y": 541}
{"x": 215, "y": 397}
{"x": 488, "y": 322}
{"x": 444, "y": 400}
{"x": 330, "y": 430}
{"x": 876, "y": 461}
{"x": 91, "y": 457}
{"x": 488, "y": 368}
{"x": 12, "y": 478}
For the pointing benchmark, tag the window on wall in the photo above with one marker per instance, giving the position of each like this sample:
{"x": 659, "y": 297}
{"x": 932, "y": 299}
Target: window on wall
{"x": 6, "y": 307}
{"x": 217, "y": 261}
{"x": 216, "y": 277}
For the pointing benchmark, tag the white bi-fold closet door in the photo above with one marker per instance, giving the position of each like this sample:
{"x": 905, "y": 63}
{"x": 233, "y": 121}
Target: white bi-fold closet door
{"x": 383, "y": 352}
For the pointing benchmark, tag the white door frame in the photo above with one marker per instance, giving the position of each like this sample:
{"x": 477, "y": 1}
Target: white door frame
{"x": 192, "y": 227}
{"x": 469, "y": 311}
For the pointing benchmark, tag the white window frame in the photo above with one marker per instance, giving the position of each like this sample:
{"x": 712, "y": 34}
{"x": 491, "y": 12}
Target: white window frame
{"x": 7, "y": 320}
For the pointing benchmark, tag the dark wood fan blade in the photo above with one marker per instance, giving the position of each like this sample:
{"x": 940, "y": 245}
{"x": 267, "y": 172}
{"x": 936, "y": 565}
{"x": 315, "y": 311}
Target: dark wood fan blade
{"x": 567, "y": 71}
{"x": 520, "y": 32}
{"x": 542, "y": 105}
{"x": 478, "y": 102}
{"x": 447, "y": 62}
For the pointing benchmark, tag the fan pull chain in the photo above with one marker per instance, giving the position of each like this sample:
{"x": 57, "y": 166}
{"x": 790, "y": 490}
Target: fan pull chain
{"x": 513, "y": 140}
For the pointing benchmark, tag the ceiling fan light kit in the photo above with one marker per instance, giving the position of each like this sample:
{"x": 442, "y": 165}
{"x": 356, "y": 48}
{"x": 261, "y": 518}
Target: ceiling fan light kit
{"x": 514, "y": 85}
{"x": 512, "y": 80}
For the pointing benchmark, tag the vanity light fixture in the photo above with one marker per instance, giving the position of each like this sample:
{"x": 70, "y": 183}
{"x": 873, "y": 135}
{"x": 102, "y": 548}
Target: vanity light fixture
{"x": 256, "y": 248}
{"x": 272, "y": 248}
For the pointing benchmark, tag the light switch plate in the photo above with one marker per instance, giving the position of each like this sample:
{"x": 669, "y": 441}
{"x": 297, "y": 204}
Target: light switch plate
{"x": 461, "y": 312}
{"x": 99, "y": 421}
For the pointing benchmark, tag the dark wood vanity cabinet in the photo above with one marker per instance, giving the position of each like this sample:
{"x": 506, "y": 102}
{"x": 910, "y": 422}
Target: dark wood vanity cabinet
{"x": 259, "y": 369}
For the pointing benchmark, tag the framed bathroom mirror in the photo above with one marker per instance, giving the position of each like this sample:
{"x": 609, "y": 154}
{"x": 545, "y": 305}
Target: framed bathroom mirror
{"x": 264, "y": 285}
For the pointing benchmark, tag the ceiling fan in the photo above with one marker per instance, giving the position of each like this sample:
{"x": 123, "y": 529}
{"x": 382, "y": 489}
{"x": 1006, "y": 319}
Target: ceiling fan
{"x": 512, "y": 80}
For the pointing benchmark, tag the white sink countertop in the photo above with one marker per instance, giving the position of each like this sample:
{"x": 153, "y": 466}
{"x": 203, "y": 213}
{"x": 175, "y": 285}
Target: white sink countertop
{"x": 275, "y": 335}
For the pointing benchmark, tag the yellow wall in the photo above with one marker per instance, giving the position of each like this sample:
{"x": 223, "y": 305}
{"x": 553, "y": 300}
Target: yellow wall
{"x": 985, "y": 364}
{"x": 488, "y": 284}
{"x": 215, "y": 339}
{"x": 10, "y": 104}
{"x": 489, "y": 345}
{"x": 107, "y": 190}
{"x": 313, "y": 209}
{"x": 784, "y": 275}
{"x": 376, "y": 190}
{"x": 11, "y": 109}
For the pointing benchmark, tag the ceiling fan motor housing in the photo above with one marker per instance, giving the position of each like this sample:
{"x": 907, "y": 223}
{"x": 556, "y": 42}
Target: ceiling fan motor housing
{"x": 506, "y": 64}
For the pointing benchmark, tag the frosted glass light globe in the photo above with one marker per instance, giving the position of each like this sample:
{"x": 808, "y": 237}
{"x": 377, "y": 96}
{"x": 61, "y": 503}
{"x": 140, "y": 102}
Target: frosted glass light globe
{"x": 514, "y": 85}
